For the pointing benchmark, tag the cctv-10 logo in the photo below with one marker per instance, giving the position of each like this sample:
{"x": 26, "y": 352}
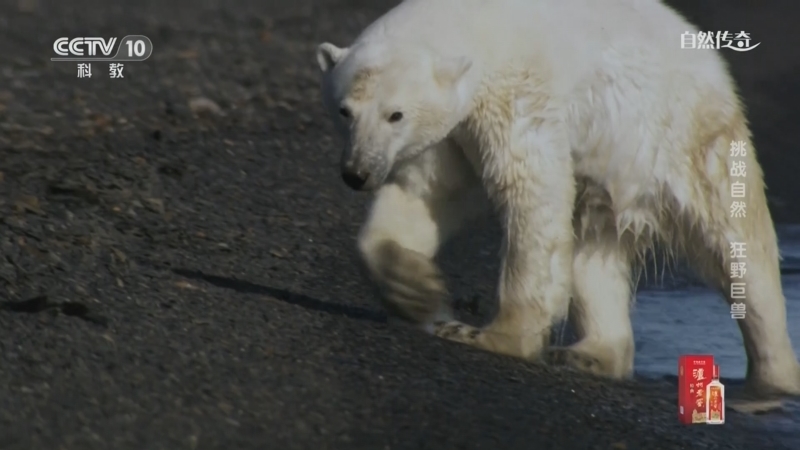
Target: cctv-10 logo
{"x": 131, "y": 48}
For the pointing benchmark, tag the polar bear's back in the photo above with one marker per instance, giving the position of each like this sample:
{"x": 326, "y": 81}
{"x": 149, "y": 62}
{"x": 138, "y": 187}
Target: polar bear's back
{"x": 576, "y": 36}
{"x": 644, "y": 114}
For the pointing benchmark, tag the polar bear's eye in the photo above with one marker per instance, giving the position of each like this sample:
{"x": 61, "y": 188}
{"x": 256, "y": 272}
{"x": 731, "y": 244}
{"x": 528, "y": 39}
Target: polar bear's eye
{"x": 344, "y": 112}
{"x": 395, "y": 117}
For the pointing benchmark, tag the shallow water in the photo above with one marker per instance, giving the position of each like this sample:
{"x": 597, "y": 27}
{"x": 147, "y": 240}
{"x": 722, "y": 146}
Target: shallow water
{"x": 696, "y": 320}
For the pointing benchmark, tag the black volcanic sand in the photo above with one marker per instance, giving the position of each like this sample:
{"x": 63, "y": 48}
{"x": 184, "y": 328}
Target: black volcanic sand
{"x": 181, "y": 275}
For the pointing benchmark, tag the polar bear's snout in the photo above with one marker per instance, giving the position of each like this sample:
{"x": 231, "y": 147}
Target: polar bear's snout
{"x": 354, "y": 178}
{"x": 362, "y": 171}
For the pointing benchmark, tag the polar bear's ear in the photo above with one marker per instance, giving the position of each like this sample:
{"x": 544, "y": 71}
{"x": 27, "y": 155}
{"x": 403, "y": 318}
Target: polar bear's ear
{"x": 328, "y": 55}
{"x": 450, "y": 70}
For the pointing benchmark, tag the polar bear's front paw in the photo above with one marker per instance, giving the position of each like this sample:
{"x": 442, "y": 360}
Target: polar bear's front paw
{"x": 492, "y": 338}
{"x": 454, "y": 330}
{"x": 412, "y": 286}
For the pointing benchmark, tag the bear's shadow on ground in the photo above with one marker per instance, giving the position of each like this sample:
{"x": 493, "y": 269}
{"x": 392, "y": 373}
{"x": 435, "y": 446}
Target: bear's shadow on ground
{"x": 301, "y": 300}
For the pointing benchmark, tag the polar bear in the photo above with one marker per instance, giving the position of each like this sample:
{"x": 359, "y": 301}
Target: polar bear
{"x": 595, "y": 136}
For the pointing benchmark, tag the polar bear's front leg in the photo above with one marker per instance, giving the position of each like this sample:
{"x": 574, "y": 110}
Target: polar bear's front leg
{"x": 424, "y": 203}
{"x": 530, "y": 179}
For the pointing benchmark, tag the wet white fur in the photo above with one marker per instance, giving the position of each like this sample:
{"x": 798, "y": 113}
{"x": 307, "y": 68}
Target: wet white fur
{"x": 595, "y": 135}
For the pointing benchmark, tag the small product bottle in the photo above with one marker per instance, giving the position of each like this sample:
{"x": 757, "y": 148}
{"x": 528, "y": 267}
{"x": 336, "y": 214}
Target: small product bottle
{"x": 715, "y": 399}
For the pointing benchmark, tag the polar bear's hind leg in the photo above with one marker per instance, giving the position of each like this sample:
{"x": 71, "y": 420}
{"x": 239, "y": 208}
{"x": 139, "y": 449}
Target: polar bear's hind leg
{"x": 739, "y": 256}
{"x": 736, "y": 251}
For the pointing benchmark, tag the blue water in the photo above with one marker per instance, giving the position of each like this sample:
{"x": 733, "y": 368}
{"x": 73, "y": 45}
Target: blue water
{"x": 696, "y": 320}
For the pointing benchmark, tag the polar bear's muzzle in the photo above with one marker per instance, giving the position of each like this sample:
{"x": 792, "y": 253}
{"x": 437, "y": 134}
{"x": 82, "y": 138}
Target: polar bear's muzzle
{"x": 360, "y": 177}
{"x": 362, "y": 174}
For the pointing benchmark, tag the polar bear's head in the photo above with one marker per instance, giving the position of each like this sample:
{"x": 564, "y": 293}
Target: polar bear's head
{"x": 390, "y": 103}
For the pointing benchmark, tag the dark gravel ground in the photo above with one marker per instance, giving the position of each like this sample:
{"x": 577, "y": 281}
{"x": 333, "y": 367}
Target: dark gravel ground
{"x": 177, "y": 277}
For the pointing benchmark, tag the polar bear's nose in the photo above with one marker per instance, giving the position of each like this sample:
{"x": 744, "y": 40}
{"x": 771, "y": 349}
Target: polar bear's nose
{"x": 355, "y": 180}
